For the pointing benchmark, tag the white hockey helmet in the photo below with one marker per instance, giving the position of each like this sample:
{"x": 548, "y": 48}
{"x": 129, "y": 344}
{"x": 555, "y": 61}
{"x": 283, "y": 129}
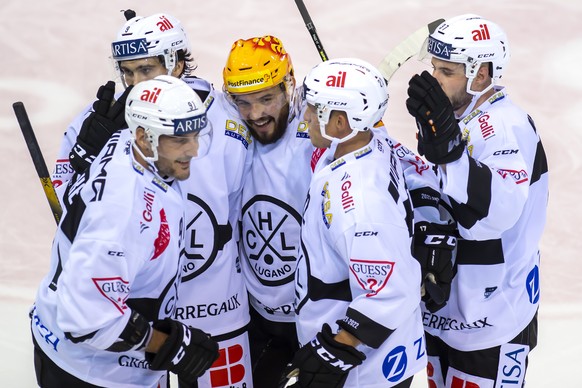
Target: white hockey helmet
{"x": 350, "y": 85}
{"x": 151, "y": 36}
{"x": 166, "y": 105}
{"x": 471, "y": 40}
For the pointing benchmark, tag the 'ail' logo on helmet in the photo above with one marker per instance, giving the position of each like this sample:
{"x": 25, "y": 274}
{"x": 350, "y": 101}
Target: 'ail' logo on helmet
{"x": 129, "y": 48}
{"x": 438, "y": 48}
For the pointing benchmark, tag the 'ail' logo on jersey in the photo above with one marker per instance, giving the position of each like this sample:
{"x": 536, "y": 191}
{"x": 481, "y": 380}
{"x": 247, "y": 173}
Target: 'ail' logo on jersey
{"x": 163, "y": 239}
{"x": 372, "y": 276}
{"x": 116, "y": 290}
{"x": 228, "y": 368}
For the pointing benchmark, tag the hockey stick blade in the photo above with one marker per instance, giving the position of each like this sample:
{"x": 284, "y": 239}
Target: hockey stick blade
{"x": 311, "y": 29}
{"x": 37, "y": 159}
{"x": 406, "y": 49}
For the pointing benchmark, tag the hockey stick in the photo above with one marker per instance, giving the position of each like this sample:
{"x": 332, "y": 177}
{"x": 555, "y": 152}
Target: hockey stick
{"x": 311, "y": 28}
{"x": 406, "y": 49}
{"x": 37, "y": 159}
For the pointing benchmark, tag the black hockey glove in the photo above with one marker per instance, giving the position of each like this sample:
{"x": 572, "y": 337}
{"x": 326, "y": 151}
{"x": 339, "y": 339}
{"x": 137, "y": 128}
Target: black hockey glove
{"x": 435, "y": 249}
{"x": 188, "y": 352}
{"x": 322, "y": 363}
{"x": 439, "y": 137}
{"x": 106, "y": 119}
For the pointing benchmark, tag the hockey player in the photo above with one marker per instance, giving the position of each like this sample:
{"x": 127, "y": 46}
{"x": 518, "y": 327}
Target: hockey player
{"x": 259, "y": 80}
{"x": 494, "y": 178}
{"x": 103, "y": 315}
{"x": 157, "y": 44}
{"x": 357, "y": 284}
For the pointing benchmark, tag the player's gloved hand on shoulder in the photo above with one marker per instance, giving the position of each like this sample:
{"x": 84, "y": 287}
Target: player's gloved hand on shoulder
{"x": 434, "y": 247}
{"x": 439, "y": 138}
{"x": 188, "y": 352}
{"x": 108, "y": 117}
{"x": 322, "y": 363}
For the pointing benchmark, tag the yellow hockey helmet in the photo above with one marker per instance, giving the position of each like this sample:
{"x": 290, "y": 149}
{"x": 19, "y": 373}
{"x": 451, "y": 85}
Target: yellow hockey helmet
{"x": 256, "y": 64}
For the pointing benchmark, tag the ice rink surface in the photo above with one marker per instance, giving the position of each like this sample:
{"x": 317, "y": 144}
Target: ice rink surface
{"x": 55, "y": 54}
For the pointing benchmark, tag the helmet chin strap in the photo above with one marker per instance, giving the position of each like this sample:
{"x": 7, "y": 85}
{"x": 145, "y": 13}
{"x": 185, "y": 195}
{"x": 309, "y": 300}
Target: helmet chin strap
{"x": 475, "y": 96}
{"x": 149, "y": 160}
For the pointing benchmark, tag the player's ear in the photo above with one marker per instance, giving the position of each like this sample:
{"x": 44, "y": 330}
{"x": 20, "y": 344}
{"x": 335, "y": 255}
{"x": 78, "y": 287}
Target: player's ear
{"x": 141, "y": 140}
{"x": 482, "y": 79}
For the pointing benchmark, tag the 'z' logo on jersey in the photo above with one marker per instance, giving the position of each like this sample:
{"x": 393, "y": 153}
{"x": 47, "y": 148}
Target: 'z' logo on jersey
{"x": 395, "y": 363}
{"x": 270, "y": 233}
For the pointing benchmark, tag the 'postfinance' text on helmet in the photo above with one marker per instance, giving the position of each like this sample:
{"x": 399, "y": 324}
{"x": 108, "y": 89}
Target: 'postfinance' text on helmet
{"x": 350, "y": 85}
{"x": 151, "y": 36}
{"x": 165, "y": 105}
{"x": 471, "y": 40}
{"x": 256, "y": 64}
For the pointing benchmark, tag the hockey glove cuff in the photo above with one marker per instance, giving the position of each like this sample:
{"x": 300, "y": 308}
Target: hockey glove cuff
{"x": 434, "y": 248}
{"x": 188, "y": 352}
{"x": 323, "y": 362}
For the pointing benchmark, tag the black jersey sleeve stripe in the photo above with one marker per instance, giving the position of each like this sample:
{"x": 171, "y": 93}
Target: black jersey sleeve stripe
{"x": 319, "y": 290}
{"x": 486, "y": 252}
{"x": 363, "y": 328}
{"x": 424, "y": 196}
{"x": 478, "y": 194}
{"x": 540, "y": 166}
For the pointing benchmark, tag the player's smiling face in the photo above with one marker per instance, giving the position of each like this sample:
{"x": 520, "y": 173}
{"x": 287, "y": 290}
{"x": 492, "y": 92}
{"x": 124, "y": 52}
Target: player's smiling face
{"x": 265, "y": 112}
{"x": 175, "y": 154}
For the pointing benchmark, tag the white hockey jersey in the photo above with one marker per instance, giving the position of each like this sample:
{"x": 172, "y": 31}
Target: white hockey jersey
{"x": 355, "y": 263}
{"x": 497, "y": 192}
{"x": 273, "y": 199}
{"x": 117, "y": 249}
{"x": 213, "y": 296}
{"x": 213, "y": 202}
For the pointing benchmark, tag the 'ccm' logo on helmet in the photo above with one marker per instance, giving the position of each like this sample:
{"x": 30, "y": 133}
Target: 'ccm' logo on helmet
{"x": 190, "y": 124}
{"x": 439, "y": 49}
{"x": 128, "y": 48}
